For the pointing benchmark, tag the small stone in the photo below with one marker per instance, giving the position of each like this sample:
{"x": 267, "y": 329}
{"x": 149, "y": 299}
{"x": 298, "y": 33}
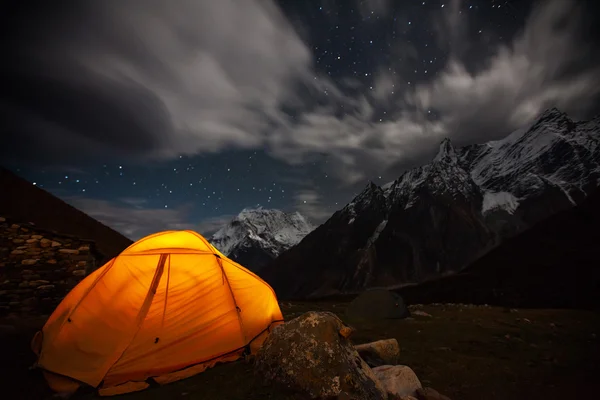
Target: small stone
{"x": 79, "y": 272}
{"x": 38, "y": 237}
{"x": 2, "y": 219}
{"x": 346, "y": 332}
{"x": 84, "y": 248}
{"x": 81, "y": 263}
{"x": 15, "y": 226}
{"x": 31, "y": 241}
{"x": 17, "y": 252}
{"x": 45, "y": 287}
{"x": 18, "y": 241}
{"x": 421, "y": 313}
{"x": 381, "y": 352}
{"x": 26, "y": 272}
{"x": 45, "y": 243}
{"x": 51, "y": 261}
{"x": 68, "y": 251}
{"x": 398, "y": 380}
{"x": 56, "y": 244}
{"x": 24, "y": 284}
{"x": 38, "y": 282}
{"x": 29, "y": 261}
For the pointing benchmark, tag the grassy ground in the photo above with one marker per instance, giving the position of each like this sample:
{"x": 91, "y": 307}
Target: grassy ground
{"x": 465, "y": 353}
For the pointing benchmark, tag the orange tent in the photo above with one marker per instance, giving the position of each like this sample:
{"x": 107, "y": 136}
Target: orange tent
{"x": 168, "y": 307}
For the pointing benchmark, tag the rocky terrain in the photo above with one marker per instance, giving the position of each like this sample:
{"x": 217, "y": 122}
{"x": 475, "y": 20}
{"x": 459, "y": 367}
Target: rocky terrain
{"x": 38, "y": 267}
{"x": 436, "y": 219}
{"x": 256, "y": 236}
{"x": 24, "y": 202}
{"x": 463, "y": 351}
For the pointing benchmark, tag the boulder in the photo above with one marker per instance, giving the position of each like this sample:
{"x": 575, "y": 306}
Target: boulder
{"x": 398, "y": 380}
{"x": 312, "y": 356}
{"x": 381, "y": 352}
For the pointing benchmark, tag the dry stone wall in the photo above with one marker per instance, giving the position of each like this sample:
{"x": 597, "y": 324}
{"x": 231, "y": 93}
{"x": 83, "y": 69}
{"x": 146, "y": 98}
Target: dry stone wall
{"x": 38, "y": 268}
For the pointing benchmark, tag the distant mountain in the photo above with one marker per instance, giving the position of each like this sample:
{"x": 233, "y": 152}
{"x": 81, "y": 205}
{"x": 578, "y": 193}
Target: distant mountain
{"x": 20, "y": 200}
{"x": 554, "y": 264}
{"x": 437, "y": 218}
{"x": 256, "y": 236}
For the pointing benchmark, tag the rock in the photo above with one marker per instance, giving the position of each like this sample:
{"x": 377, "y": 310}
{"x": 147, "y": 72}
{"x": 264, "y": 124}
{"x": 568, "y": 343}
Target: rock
{"x": 14, "y": 226}
{"x": 69, "y": 251}
{"x": 79, "y": 272}
{"x": 81, "y": 263}
{"x": 84, "y": 248}
{"x": 421, "y": 313}
{"x": 381, "y": 352}
{"x": 45, "y": 243}
{"x": 398, "y": 380}
{"x": 2, "y": 219}
{"x": 38, "y": 237}
{"x": 38, "y": 282}
{"x": 346, "y": 332}
{"x": 29, "y": 261}
{"x": 31, "y": 241}
{"x": 56, "y": 244}
{"x": 430, "y": 394}
{"x": 45, "y": 287}
{"x": 18, "y": 241}
{"x": 17, "y": 252}
{"x": 52, "y": 261}
{"x": 308, "y": 356}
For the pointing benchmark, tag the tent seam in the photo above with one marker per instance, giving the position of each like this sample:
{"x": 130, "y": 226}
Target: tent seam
{"x": 152, "y": 292}
{"x": 237, "y": 308}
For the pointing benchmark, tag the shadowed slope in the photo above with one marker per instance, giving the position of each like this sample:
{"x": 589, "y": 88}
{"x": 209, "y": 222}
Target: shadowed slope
{"x": 22, "y": 201}
{"x": 554, "y": 264}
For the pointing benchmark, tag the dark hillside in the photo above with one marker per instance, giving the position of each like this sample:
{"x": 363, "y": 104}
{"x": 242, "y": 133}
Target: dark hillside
{"x": 554, "y": 264}
{"x": 22, "y": 201}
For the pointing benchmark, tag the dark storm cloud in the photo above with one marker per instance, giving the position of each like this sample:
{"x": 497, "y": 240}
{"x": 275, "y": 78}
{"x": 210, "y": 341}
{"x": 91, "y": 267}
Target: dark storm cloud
{"x": 145, "y": 77}
{"x": 77, "y": 114}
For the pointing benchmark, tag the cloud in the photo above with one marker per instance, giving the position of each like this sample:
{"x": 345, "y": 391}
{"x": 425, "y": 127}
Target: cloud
{"x": 210, "y": 225}
{"x": 147, "y": 79}
{"x": 309, "y": 203}
{"x": 541, "y": 68}
{"x": 130, "y": 219}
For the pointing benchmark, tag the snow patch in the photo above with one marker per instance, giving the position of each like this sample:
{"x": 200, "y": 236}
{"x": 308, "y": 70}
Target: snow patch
{"x": 377, "y": 232}
{"x": 503, "y": 200}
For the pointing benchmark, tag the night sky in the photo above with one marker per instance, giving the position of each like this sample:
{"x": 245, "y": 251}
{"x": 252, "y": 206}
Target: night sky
{"x": 159, "y": 114}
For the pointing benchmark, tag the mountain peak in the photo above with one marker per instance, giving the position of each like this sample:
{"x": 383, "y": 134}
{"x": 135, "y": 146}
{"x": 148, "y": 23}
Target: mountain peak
{"x": 257, "y": 235}
{"x": 446, "y": 151}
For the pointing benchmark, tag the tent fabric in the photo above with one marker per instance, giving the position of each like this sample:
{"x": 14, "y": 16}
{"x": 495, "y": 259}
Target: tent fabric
{"x": 169, "y": 306}
{"x": 377, "y": 304}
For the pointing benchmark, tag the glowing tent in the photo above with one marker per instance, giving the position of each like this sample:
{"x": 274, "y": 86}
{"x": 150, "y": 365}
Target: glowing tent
{"x": 168, "y": 307}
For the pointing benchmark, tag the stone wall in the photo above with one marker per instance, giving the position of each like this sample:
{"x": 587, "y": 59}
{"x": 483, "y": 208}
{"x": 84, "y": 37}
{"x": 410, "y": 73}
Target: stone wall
{"x": 38, "y": 268}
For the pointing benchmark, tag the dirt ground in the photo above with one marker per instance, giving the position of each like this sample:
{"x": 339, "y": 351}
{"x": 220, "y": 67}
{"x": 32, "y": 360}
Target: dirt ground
{"x": 464, "y": 352}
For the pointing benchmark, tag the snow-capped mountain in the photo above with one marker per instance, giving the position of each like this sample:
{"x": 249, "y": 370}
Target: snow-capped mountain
{"x": 256, "y": 236}
{"x": 437, "y": 218}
